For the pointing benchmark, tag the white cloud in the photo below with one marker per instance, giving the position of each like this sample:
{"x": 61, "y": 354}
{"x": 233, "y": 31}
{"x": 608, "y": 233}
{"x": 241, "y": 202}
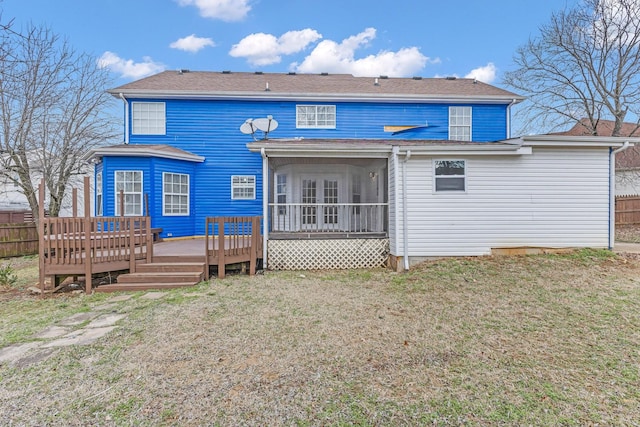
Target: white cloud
{"x": 127, "y": 68}
{"x": 192, "y": 43}
{"x": 331, "y": 57}
{"x": 225, "y": 10}
{"x": 266, "y": 49}
{"x": 486, "y": 74}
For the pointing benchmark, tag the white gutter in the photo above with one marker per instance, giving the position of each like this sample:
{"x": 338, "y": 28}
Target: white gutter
{"x": 405, "y": 225}
{"x": 126, "y": 118}
{"x": 515, "y": 101}
{"x": 265, "y": 206}
{"x": 612, "y": 192}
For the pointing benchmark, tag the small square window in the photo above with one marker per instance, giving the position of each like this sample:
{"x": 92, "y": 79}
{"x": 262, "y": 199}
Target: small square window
{"x": 316, "y": 116}
{"x": 148, "y": 118}
{"x": 450, "y": 175}
{"x": 243, "y": 187}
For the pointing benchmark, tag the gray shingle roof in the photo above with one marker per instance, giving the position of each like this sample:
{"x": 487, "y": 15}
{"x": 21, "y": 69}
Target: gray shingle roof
{"x": 283, "y": 85}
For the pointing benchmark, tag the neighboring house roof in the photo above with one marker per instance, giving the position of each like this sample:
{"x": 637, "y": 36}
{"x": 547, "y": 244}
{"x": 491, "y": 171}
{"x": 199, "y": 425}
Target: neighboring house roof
{"x": 143, "y": 150}
{"x": 331, "y": 87}
{"x": 627, "y": 159}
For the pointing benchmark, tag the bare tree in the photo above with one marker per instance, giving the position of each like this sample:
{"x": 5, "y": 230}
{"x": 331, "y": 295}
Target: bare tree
{"x": 53, "y": 108}
{"x": 583, "y": 68}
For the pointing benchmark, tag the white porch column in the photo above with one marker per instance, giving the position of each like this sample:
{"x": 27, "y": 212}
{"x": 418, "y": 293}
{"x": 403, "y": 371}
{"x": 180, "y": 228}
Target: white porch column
{"x": 265, "y": 207}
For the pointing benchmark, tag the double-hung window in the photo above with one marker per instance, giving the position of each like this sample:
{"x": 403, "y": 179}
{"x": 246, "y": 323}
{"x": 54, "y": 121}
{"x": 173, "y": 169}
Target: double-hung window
{"x": 99, "y": 194}
{"x": 243, "y": 187}
{"x": 175, "y": 194}
{"x": 129, "y": 183}
{"x": 315, "y": 116}
{"x": 460, "y": 123}
{"x": 450, "y": 175}
{"x": 148, "y": 118}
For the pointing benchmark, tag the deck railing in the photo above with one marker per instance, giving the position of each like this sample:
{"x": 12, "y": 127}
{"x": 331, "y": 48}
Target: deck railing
{"x": 87, "y": 245}
{"x": 231, "y": 240}
{"x": 350, "y": 218}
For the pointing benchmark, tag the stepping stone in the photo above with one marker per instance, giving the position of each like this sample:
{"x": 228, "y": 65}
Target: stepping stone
{"x": 53, "y": 332}
{"x": 120, "y": 298}
{"x": 82, "y": 336}
{"x": 106, "y": 307}
{"x": 78, "y": 318}
{"x": 153, "y": 295}
{"x": 105, "y": 320}
{"x": 34, "y": 357}
{"x": 17, "y": 351}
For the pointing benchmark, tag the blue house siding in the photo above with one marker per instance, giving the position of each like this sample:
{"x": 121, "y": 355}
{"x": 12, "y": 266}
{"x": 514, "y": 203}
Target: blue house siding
{"x": 212, "y": 129}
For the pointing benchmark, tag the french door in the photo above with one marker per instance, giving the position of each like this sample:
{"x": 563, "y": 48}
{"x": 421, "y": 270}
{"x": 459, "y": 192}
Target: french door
{"x": 320, "y": 197}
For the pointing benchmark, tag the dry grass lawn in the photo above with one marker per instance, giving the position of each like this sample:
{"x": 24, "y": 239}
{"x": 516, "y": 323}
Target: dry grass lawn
{"x": 537, "y": 340}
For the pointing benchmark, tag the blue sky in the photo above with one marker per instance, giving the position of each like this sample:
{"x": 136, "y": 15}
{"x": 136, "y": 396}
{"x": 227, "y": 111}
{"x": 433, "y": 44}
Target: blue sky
{"x": 402, "y": 38}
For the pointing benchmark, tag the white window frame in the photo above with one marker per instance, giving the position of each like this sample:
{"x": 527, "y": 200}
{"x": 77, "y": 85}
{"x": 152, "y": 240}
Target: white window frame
{"x": 148, "y": 118}
{"x": 178, "y": 192}
{"x": 307, "y": 116}
{"x": 460, "y": 122}
{"x": 444, "y": 177}
{"x": 281, "y": 193}
{"x": 129, "y": 192}
{"x": 99, "y": 201}
{"x": 245, "y": 186}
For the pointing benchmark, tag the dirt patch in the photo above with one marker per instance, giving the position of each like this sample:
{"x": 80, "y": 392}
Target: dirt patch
{"x": 628, "y": 233}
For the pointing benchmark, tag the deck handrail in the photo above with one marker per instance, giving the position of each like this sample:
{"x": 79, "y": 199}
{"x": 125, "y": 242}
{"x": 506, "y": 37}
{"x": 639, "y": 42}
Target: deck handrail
{"x": 230, "y": 240}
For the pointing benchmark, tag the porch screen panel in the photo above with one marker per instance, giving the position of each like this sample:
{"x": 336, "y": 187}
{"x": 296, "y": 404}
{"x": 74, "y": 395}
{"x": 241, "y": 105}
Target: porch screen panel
{"x": 330, "y": 197}
{"x": 309, "y": 197}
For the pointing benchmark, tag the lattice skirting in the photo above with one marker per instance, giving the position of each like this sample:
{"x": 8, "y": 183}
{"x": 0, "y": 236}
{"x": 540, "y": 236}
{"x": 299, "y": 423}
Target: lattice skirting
{"x": 327, "y": 254}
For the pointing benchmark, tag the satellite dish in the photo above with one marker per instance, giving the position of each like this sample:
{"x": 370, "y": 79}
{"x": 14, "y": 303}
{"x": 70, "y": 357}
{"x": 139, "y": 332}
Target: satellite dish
{"x": 266, "y": 125}
{"x": 247, "y": 127}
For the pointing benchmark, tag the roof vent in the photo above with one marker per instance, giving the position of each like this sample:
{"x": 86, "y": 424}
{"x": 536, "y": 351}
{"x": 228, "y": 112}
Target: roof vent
{"x": 292, "y": 73}
{"x": 324, "y": 74}
{"x": 258, "y": 72}
{"x": 376, "y": 82}
{"x": 450, "y": 77}
{"x": 384, "y": 77}
{"x": 417, "y": 78}
{"x": 183, "y": 71}
{"x": 226, "y": 72}
{"x": 266, "y": 88}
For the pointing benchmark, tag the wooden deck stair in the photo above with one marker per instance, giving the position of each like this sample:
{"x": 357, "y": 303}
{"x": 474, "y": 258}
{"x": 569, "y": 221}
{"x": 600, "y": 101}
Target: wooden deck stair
{"x": 158, "y": 275}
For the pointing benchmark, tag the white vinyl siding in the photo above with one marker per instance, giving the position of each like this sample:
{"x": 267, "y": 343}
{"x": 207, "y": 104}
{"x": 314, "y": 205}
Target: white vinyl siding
{"x": 316, "y": 116}
{"x": 243, "y": 187}
{"x": 148, "y": 118}
{"x": 175, "y": 194}
{"x": 130, "y": 183}
{"x": 460, "y": 123}
{"x": 554, "y": 198}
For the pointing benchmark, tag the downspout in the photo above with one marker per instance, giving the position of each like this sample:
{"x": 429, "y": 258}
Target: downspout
{"x": 405, "y": 225}
{"x": 265, "y": 206}
{"x": 509, "y": 117}
{"x": 612, "y": 192}
{"x": 126, "y": 118}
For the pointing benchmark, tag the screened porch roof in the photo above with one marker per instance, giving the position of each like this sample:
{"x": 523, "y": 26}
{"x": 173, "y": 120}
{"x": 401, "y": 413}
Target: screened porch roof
{"x": 374, "y": 148}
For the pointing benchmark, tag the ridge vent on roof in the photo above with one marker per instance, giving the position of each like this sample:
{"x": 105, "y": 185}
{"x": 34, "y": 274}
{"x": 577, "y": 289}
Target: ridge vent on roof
{"x": 183, "y": 71}
{"x": 258, "y": 72}
{"x": 226, "y": 71}
{"x": 417, "y": 78}
{"x": 384, "y": 77}
{"x": 292, "y": 73}
{"x": 450, "y": 77}
{"x": 324, "y": 74}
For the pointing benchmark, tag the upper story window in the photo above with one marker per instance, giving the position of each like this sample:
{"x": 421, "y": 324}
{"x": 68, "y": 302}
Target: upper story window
{"x": 243, "y": 187}
{"x": 130, "y": 184}
{"x": 148, "y": 118}
{"x": 450, "y": 175}
{"x": 99, "y": 194}
{"x": 460, "y": 123}
{"x": 316, "y": 116}
{"x": 175, "y": 194}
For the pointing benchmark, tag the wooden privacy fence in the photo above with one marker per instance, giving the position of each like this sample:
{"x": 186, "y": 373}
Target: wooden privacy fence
{"x": 231, "y": 240}
{"x": 18, "y": 239}
{"x": 628, "y": 210}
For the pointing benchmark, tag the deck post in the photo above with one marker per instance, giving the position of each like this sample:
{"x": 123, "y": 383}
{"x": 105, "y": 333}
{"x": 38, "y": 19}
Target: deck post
{"x": 86, "y": 233}
{"x": 41, "y": 232}
{"x": 206, "y": 248}
{"x": 221, "y": 248}
{"x": 149, "y": 238}
{"x": 255, "y": 235}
